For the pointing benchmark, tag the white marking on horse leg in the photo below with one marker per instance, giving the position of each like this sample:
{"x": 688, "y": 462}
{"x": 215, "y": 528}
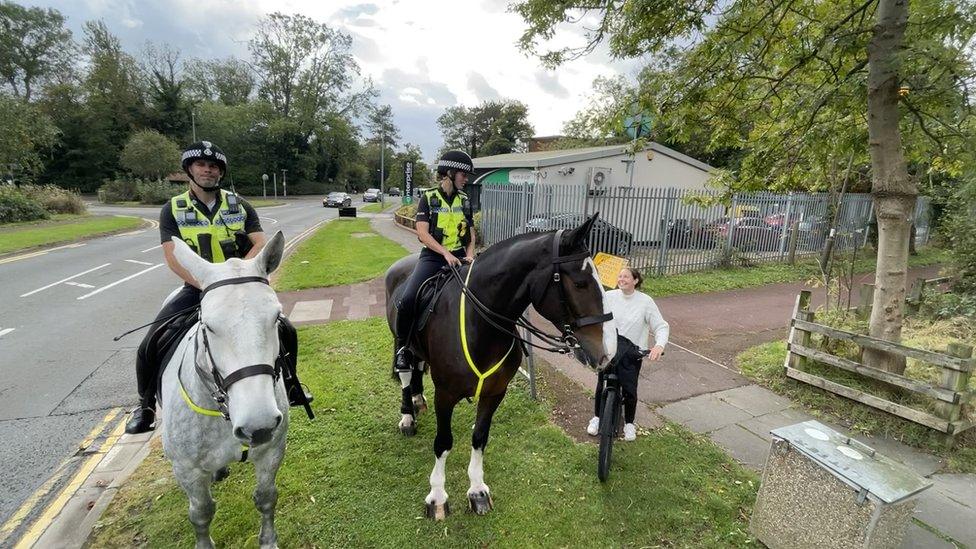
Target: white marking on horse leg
{"x": 609, "y": 330}
{"x": 406, "y": 420}
{"x": 437, "y": 493}
{"x": 476, "y": 473}
{"x": 405, "y": 379}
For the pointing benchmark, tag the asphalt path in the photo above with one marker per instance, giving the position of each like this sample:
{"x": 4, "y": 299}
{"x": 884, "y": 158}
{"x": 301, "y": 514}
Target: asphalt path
{"x": 60, "y": 371}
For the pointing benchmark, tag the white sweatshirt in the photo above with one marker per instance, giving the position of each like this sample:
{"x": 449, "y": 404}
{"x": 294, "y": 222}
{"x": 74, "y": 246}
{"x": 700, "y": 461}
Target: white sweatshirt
{"x": 636, "y": 315}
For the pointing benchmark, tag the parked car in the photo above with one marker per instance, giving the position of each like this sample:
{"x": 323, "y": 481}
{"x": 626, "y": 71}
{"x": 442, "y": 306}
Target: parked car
{"x": 337, "y": 200}
{"x": 689, "y": 233}
{"x": 372, "y": 195}
{"x": 604, "y": 237}
{"x": 393, "y": 191}
{"x": 749, "y": 234}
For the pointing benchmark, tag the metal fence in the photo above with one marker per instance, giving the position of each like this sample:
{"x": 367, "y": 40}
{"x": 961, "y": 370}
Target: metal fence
{"x": 666, "y": 231}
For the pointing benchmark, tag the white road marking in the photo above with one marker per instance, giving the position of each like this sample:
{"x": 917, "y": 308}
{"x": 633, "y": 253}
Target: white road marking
{"x": 153, "y": 248}
{"x": 139, "y": 262}
{"x": 117, "y": 282}
{"x": 273, "y": 221}
{"x": 6, "y": 331}
{"x": 64, "y": 280}
{"x": 79, "y": 284}
{"x": 40, "y": 252}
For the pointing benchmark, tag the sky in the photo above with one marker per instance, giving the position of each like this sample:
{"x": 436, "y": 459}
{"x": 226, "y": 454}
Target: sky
{"x": 422, "y": 56}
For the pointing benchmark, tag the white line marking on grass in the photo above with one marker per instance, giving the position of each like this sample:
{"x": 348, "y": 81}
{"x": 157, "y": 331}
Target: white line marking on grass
{"x": 64, "y": 280}
{"x": 117, "y": 282}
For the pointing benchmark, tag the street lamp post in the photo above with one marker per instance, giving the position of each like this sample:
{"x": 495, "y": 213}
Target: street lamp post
{"x": 284, "y": 183}
{"x": 264, "y": 185}
{"x": 382, "y": 169}
{"x": 275, "y": 176}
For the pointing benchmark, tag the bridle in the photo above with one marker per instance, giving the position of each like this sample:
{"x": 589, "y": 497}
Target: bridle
{"x": 567, "y": 341}
{"x": 217, "y": 384}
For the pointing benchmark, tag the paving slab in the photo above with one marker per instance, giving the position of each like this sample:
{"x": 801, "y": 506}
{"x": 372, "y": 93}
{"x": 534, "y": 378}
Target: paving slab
{"x": 745, "y": 446}
{"x": 754, "y": 400}
{"x": 922, "y": 463}
{"x": 950, "y": 506}
{"x": 917, "y": 537}
{"x": 308, "y": 311}
{"x": 703, "y": 413}
{"x": 680, "y": 375}
{"x": 762, "y": 425}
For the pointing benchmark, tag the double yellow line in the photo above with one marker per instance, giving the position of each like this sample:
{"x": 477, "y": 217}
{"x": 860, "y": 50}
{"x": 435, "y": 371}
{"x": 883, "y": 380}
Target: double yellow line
{"x": 57, "y": 504}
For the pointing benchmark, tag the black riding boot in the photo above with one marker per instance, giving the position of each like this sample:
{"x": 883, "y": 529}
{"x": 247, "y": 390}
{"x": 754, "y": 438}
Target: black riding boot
{"x": 404, "y": 359}
{"x": 288, "y": 363}
{"x": 143, "y": 419}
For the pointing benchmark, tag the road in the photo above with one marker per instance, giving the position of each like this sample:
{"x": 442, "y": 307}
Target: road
{"x": 60, "y": 371}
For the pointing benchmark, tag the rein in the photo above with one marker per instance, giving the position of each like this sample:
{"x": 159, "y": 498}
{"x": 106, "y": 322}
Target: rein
{"x": 564, "y": 343}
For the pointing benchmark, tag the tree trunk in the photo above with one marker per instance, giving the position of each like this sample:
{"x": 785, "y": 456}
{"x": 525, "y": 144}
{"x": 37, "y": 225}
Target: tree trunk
{"x": 894, "y": 192}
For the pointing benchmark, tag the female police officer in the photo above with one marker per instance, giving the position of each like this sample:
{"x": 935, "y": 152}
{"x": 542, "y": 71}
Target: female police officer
{"x": 445, "y": 227}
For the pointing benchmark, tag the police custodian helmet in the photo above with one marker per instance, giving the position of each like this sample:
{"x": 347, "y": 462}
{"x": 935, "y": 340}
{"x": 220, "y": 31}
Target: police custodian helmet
{"x": 455, "y": 160}
{"x": 204, "y": 150}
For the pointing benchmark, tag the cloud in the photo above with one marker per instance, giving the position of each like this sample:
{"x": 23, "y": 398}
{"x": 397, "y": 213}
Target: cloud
{"x": 481, "y": 88}
{"x": 550, "y": 83}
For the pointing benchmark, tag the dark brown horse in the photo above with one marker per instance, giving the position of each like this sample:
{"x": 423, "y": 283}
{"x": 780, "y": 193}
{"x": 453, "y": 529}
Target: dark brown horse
{"x": 553, "y": 272}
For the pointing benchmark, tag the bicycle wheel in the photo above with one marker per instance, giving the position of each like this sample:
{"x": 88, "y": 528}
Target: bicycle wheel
{"x": 608, "y": 431}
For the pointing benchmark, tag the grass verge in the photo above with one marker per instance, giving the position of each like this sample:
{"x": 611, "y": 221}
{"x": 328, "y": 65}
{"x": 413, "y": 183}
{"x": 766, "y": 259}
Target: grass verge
{"x": 61, "y": 229}
{"x": 718, "y": 280}
{"x": 263, "y": 203}
{"x": 764, "y": 365}
{"x": 376, "y": 207}
{"x": 350, "y": 479}
{"x": 343, "y": 251}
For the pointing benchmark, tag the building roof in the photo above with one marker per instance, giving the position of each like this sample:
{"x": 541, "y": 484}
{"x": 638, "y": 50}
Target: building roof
{"x": 543, "y": 159}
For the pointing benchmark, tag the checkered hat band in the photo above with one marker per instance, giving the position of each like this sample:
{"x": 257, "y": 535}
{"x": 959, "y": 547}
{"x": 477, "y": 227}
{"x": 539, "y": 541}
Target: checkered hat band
{"x": 198, "y": 153}
{"x": 454, "y": 165}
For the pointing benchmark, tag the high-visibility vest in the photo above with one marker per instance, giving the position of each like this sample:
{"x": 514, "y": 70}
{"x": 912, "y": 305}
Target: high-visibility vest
{"x": 213, "y": 241}
{"x": 449, "y": 223}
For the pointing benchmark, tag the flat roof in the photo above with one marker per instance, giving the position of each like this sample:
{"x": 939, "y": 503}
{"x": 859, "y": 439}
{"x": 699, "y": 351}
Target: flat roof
{"x": 543, "y": 159}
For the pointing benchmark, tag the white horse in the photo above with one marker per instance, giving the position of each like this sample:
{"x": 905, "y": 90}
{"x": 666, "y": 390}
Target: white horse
{"x": 224, "y": 399}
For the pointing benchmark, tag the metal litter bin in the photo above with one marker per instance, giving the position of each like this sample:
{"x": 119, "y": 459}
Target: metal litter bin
{"x": 823, "y": 489}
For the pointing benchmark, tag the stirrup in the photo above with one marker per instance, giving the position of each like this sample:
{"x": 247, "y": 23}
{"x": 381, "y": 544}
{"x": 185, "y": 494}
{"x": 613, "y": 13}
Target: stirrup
{"x": 404, "y": 360}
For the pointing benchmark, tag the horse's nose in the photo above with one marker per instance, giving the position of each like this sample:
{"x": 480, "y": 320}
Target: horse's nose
{"x": 258, "y": 436}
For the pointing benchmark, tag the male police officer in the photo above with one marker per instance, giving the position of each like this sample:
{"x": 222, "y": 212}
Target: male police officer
{"x": 217, "y": 225}
{"x": 446, "y": 229}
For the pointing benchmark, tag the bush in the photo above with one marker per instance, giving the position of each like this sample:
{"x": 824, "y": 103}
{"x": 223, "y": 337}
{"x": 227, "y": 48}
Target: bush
{"x": 118, "y": 190}
{"x": 156, "y": 192}
{"x": 949, "y": 305}
{"x": 15, "y": 206}
{"x": 55, "y": 199}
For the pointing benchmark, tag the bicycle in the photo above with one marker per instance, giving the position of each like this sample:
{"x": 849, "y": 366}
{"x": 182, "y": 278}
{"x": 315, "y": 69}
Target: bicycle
{"x": 611, "y": 425}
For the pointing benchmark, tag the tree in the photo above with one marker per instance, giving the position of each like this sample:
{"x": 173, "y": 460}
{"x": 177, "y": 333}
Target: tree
{"x": 380, "y": 123}
{"x": 304, "y": 67}
{"x": 24, "y": 133}
{"x": 494, "y": 127}
{"x": 789, "y": 81}
{"x": 229, "y": 81}
{"x": 421, "y": 173}
{"x": 33, "y": 46}
{"x": 169, "y": 110}
{"x": 149, "y": 153}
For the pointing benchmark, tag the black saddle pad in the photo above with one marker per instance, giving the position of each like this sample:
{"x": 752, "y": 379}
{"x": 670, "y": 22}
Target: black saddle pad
{"x": 163, "y": 343}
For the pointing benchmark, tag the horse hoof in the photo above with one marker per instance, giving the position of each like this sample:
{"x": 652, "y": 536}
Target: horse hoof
{"x": 221, "y": 474}
{"x": 480, "y": 503}
{"x": 408, "y": 430}
{"x": 438, "y": 512}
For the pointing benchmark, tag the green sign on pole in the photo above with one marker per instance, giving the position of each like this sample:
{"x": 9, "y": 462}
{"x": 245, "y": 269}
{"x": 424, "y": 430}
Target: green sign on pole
{"x": 407, "y": 182}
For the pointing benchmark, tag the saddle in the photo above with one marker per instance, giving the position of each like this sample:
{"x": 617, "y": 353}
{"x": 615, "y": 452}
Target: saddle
{"x": 427, "y": 296}
{"x": 163, "y": 343}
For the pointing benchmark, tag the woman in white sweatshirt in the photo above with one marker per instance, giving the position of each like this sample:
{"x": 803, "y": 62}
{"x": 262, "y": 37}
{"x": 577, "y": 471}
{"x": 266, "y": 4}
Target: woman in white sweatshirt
{"x": 635, "y": 315}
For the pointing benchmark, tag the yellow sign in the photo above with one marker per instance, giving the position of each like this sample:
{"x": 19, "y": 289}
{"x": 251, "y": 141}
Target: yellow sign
{"x": 609, "y": 266}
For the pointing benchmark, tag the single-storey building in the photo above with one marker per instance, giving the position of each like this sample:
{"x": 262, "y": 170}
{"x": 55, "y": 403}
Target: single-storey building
{"x": 607, "y": 166}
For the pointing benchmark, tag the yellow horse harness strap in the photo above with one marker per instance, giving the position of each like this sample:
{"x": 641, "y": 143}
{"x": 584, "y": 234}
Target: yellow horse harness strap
{"x": 464, "y": 345}
{"x": 204, "y": 411}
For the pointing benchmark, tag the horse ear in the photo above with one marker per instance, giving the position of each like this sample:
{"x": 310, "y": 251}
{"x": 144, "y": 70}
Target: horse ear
{"x": 580, "y": 235}
{"x": 197, "y": 266}
{"x": 270, "y": 256}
